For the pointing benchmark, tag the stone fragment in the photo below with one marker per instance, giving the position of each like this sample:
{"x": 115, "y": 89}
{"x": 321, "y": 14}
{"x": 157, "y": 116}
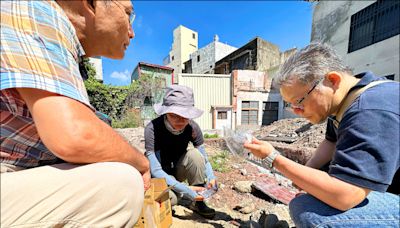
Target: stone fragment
{"x": 243, "y": 186}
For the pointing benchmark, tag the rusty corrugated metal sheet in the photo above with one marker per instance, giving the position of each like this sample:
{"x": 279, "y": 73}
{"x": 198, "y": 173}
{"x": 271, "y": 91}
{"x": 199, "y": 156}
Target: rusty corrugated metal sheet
{"x": 271, "y": 187}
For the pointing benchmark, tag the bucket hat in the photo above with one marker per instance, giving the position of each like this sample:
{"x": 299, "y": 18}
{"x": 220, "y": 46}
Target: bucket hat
{"x": 179, "y": 100}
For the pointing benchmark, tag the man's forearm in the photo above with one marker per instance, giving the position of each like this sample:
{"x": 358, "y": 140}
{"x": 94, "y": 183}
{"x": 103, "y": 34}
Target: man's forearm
{"x": 322, "y": 155}
{"x": 100, "y": 143}
{"x": 332, "y": 191}
{"x": 115, "y": 148}
{"x": 73, "y": 132}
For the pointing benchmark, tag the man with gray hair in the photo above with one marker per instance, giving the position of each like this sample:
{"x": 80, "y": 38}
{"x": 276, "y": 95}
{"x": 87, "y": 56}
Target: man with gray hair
{"x": 166, "y": 141}
{"x": 361, "y": 143}
{"x": 60, "y": 164}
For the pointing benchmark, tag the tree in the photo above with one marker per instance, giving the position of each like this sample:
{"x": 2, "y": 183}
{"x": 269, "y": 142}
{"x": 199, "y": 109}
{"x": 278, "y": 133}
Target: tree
{"x": 104, "y": 98}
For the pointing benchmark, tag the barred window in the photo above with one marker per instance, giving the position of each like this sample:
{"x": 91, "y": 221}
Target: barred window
{"x": 377, "y": 22}
{"x": 249, "y": 112}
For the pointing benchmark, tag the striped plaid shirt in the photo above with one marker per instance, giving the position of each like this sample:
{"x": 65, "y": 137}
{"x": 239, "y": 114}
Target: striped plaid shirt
{"x": 39, "y": 49}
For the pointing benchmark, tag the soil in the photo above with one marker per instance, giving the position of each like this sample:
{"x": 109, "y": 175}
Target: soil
{"x": 233, "y": 208}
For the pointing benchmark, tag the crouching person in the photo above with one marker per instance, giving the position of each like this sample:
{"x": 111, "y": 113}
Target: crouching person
{"x": 361, "y": 144}
{"x": 60, "y": 164}
{"x": 166, "y": 142}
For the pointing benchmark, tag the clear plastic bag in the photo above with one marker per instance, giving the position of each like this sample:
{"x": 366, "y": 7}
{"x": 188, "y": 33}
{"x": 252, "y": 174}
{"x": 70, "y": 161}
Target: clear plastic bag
{"x": 208, "y": 192}
{"x": 235, "y": 141}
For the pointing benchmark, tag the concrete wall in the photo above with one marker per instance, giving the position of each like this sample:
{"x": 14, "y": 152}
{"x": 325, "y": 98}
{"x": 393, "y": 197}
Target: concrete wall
{"x": 222, "y": 50}
{"x": 268, "y": 55}
{"x": 183, "y": 45}
{"x": 209, "y": 90}
{"x": 203, "y": 60}
{"x": 209, "y": 54}
{"x": 331, "y": 24}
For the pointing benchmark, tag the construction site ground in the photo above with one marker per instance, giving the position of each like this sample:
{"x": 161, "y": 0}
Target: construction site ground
{"x": 238, "y": 203}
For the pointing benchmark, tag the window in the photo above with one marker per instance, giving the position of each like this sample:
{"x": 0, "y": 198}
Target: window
{"x": 172, "y": 58}
{"x": 194, "y": 35}
{"x": 222, "y": 115}
{"x": 249, "y": 112}
{"x": 377, "y": 22}
{"x": 198, "y": 58}
{"x": 270, "y": 112}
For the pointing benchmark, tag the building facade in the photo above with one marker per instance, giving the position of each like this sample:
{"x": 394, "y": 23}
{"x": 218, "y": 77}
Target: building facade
{"x": 364, "y": 33}
{"x": 261, "y": 56}
{"x": 254, "y": 101}
{"x": 185, "y": 42}
{"x": 258, "y": 54}
{"x": 151, "y": 89}
{"x": 203, "y": 60}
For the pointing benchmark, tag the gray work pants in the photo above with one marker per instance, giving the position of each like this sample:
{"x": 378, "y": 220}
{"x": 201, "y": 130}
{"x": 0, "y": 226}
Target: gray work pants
{"x": 191, "y": 168}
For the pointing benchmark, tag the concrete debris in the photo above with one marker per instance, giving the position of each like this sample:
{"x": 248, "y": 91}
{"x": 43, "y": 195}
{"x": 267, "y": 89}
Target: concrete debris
{"x": 298, "y": 130}
{"x": 245, "y": 207}
{"x": 243, "y": 186}
{"x": 135, "y": 136}
{"x": 236, "y": 166}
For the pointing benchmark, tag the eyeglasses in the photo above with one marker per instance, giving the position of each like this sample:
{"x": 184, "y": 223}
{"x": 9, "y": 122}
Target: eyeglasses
{"x": 131, "y": 16}
{"x": 298, "y": 105}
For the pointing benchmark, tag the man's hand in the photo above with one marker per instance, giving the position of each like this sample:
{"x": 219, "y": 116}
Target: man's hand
{"x": 146, "y": 180}
{"x": 259, "y": 148}
{"x": 212, "y": 184}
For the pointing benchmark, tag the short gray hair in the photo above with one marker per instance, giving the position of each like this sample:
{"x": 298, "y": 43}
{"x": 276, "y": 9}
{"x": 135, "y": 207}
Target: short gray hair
{"x": 310, "y": 64}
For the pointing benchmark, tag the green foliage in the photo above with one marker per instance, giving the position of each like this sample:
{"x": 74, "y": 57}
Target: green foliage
{"x": 128, "y": 120}
{"x": 219, "y": 161}
{"x": 148, "y": 88}
{"x": 105, "y": 98}
{"x": 210, "y": 136}
{"x": 121, "y": 103}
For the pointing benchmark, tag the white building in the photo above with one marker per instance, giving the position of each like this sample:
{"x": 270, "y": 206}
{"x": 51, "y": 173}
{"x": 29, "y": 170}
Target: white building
{"x": 364, "y": 33}
{"x": 98, "y": 65}
{"x": 184, "y": 43}
{"x": 203, "y": 60}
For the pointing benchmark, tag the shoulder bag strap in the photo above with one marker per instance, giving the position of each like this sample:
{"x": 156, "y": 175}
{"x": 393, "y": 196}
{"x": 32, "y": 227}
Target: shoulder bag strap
{"x": 348, "y": 100}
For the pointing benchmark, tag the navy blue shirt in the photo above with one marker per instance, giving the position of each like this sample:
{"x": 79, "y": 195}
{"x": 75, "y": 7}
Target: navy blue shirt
{"x": 367, "y": 140}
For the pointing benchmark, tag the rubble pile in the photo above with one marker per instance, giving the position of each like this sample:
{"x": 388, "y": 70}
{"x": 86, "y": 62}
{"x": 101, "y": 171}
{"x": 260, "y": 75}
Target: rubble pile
{"x": 295, "y": 138}
{"x": 134, "y": 136}
{"x": 299, "y": 130}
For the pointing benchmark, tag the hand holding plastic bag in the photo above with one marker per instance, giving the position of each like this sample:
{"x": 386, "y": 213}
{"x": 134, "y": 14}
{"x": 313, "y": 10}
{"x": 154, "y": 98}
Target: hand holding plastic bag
{"x": 236, "y": 140}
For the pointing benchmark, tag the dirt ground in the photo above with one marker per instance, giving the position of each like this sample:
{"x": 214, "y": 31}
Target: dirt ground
{"x": 234, "y": 208}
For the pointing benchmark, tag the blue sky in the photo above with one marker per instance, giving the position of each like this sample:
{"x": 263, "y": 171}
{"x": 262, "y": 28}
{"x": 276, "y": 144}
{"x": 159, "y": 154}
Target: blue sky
{"x": 284, "y": 23}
